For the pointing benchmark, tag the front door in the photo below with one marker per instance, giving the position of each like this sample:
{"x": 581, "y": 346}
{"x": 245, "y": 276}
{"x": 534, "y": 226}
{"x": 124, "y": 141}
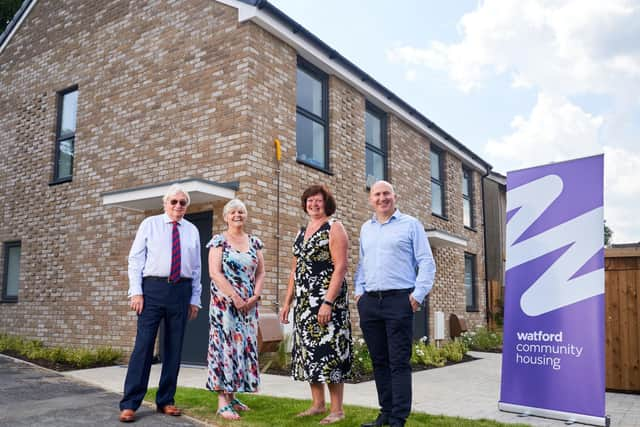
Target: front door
{"x": 196, "y": 337}
{"x": 421, "y": 321}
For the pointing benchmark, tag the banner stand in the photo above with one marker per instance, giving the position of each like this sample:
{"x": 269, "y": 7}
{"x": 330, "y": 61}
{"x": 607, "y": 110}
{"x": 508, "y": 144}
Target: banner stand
{"x": 569, "y": 417}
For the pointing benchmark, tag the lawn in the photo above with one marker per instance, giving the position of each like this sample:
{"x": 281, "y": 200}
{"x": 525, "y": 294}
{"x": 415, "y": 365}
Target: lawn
{"x": 280, "y": 412}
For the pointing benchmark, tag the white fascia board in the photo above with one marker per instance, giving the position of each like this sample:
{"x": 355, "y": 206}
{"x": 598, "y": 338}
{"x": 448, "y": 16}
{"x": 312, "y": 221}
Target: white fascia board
{"x": 18, "y": 24}
{"x": 440, "y": 239}
{"x": 150, "y": 198}
{"x": 329, "y": 66}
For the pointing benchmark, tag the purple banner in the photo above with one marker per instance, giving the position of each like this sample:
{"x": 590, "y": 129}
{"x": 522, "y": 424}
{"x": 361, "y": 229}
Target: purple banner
{"x": 553, "y": 353}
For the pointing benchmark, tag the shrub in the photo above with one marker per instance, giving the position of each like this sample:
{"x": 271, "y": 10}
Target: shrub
{"x": 362, "y": 364}
{"x": 72, "y": 357}
{"x": 482, "y": 339}
{"x": 454, "y": 350}
{"x": 427, "y": 355}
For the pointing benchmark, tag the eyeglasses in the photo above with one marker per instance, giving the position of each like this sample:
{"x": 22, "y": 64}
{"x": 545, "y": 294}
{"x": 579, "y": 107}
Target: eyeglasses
{"x": 174, "y": 202}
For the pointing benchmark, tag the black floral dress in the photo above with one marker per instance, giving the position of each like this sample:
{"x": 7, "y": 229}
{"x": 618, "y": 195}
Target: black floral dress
{"x": 321, "y": 354}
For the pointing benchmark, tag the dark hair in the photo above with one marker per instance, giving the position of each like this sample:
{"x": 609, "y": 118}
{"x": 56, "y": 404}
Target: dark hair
{"x": 329, "y": 200}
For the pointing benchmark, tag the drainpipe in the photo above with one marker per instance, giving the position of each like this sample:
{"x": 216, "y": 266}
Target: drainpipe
{"x": 484, "y": 241}
{"x": 277, "y": 236}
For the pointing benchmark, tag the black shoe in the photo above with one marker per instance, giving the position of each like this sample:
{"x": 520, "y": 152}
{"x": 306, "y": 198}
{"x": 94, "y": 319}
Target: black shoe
{"x": 382, "y": 420}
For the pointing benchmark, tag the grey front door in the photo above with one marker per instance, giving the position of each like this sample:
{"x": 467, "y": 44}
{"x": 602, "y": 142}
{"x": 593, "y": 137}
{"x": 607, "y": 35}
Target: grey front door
{"x": 196, "y": 337}
{"x": 421, "y": 321}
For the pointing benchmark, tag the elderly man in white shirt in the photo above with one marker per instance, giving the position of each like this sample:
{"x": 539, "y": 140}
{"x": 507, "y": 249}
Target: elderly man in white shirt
{"x": 164, "y": 284}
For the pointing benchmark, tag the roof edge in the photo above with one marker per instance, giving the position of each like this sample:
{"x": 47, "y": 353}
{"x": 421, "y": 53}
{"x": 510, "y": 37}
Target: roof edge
{"x": 15, "y": 23}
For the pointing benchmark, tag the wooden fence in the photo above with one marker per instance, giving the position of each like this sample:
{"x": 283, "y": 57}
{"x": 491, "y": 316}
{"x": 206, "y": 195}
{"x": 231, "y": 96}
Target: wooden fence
{"x": 622, "y": 308}
{"x": 495, "y": 310}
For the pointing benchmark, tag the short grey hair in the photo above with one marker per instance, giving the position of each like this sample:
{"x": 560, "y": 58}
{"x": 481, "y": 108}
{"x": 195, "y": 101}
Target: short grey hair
{"x": 233, "y": 204}
{"x": 173, "y": 190}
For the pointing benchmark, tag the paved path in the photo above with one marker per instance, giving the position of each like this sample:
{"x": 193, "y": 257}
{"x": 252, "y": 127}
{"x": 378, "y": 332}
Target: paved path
{"x": 469, "y": 390}
{"x": 32, "y": 396}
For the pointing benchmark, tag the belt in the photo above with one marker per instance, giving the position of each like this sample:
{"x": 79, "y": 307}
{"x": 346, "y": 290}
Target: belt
{"x": 166, "y": 279}
{"x": 389, "y": 293}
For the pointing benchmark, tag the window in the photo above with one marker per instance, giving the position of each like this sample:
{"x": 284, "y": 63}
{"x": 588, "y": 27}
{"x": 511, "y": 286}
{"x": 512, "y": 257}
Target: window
{"x": 467, "y": 205}
{"x": 65, "y": 134}
{"x": 437, "y": 183}
{"x": 311, "y": 118}
{"x": 376, "y": 145}
{"x": 11, "y": 277}
{"x": 470, "y": 282}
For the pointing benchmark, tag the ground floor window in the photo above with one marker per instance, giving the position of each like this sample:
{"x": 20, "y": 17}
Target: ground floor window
{"x": 470, "y": 282}
{"x": 11, "y": 276}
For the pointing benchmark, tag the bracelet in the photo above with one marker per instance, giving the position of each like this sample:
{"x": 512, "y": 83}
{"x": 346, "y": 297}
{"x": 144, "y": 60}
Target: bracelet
{"x": 259, "y": 297}
{"x": 327, "y": 302}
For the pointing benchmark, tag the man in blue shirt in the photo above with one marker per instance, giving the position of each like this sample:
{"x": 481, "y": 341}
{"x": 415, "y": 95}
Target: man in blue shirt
{"x": 395, "y": 273}
{"x": 164, "y": 284}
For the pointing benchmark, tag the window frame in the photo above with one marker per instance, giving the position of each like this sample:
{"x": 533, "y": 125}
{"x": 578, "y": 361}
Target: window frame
{"x": 323, "y": 78}
{"x": 474, "y": 288}
{"x": 5, "y": 272}
{"x": 468, "y": 197}
{"x": 383, "y": 151}
{"x": 440, "y": 181}
{"x": 57, "y": 179}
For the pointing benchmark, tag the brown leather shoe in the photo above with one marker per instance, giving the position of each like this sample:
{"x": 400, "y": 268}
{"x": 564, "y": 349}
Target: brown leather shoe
{"x": 170, "y": 410}
{"x": 127, "y": 416}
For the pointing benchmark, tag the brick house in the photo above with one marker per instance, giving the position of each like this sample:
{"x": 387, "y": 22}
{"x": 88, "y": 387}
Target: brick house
{"x": 104, "y": 104}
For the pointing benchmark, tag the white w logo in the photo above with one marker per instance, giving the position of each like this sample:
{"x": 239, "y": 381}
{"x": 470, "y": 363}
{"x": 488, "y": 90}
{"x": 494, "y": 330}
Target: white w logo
{"x": 554, "y": 288}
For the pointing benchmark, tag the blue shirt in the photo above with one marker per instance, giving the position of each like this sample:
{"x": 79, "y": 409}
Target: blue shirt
{"x": 395, "y": 255}
{"x": 150, "y": 253}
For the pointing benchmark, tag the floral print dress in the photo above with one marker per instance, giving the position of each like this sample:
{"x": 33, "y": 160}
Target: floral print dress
{"x": 233, "y": 345}
{"x": 320, "y": 354}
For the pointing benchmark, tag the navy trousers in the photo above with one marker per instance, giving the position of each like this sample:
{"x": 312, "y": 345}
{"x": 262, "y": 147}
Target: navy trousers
{"x": 162, "y": 301}
{"x": 386, "y": 321}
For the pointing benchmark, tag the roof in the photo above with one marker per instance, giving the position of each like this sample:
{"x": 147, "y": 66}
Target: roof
{"x": 332, "y": 54}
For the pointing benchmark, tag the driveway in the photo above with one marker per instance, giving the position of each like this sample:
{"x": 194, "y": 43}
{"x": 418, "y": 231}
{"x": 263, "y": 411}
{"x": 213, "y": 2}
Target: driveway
{"x": 32, "y": 396}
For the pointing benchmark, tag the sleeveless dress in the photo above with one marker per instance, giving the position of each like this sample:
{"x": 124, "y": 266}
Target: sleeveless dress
{"x": 320, "y": 354}
{"x": 233, "y": 344}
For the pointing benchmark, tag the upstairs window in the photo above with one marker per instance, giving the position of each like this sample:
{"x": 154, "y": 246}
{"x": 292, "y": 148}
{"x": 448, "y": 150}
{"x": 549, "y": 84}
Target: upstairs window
{"x": 467, "y": 200}
{"x": 376, "y": 145}
{"x": 65, "y": 135}
{"x": 437, "y": 183}
{"x": 311, "y": 116}
{"x": 11, "y": 276}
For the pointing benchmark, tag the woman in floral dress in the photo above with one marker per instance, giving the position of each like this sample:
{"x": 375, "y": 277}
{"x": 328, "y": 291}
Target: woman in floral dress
{"x": 322, "y": 348}
{"x": 237, "y": 273}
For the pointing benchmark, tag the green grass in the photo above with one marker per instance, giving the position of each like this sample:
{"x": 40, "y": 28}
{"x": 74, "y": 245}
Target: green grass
{"x": 269, "y": 411}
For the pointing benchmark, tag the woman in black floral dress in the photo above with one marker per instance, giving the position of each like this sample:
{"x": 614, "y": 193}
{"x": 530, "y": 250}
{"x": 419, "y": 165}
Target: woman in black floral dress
{"x": 322, "y": 348}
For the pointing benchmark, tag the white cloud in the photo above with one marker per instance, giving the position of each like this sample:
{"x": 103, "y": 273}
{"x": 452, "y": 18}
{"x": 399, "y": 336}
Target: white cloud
{"x": 560, "y": 48}
{"x": 565, "y": 47}
{"x": 555, "y": 130}
{"x": 411, "y": 75}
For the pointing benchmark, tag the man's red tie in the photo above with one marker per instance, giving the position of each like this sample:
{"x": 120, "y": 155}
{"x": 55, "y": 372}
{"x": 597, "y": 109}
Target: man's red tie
{"x": 174, "y": 276}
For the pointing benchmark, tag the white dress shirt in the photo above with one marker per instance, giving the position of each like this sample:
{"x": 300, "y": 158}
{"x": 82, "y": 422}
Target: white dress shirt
{"x": 150, "y": 253}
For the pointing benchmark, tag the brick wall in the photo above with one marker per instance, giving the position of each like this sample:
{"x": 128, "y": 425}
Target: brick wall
{"x": 170, "y": 90}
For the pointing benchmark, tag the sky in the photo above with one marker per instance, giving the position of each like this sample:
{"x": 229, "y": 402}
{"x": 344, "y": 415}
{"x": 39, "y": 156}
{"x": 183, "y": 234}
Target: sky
{"x": 520, "y": 83}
